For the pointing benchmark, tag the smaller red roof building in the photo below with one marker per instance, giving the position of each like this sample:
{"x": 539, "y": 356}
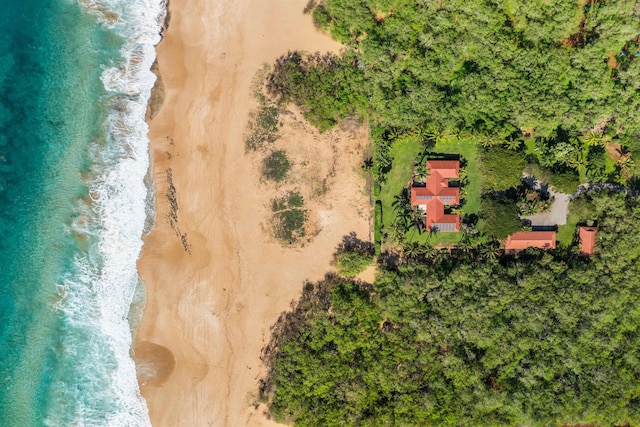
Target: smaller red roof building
{"x": 530, "y": 239}
{"x": 436, "y": 195}
{"x": 588, "y": 240}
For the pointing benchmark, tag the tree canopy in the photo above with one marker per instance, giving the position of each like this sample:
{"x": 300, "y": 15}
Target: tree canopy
{"x": 543, "y": 338}
{"x": 502, "y": 169}
{"x": 485, "y": 65}
{"x": 498, "y": 217}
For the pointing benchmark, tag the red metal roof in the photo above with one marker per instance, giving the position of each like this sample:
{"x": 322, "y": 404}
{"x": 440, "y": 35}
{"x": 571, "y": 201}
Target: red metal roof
{"x": 437, "y": 194}
{"x": 531, "y": 239}
{"x": 588, "y": 239}
{"x": 446, "y": 168}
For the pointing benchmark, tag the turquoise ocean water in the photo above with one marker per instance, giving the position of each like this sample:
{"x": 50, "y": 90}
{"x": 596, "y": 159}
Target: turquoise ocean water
{"x": 74, "y": 83}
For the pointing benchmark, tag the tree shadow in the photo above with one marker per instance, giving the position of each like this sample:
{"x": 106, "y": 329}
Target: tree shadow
{"x": 351, "y": 243}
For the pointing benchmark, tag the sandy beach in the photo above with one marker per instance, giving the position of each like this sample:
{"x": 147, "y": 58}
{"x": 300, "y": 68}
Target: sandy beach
{"x": 216, "y": 280}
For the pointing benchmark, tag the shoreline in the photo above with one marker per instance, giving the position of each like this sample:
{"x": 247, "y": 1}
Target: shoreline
{"x": 214, "y": 280}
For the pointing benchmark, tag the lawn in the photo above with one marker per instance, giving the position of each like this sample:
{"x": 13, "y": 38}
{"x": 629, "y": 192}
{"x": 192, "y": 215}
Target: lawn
{"x": 567, "y": 232}
{"x": 404, "y": 152}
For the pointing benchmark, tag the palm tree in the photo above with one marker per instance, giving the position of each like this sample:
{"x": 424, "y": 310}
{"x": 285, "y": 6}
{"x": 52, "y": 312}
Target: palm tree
{"x": 395, "y": 133}
{"x": 489, "y": 251}
{"x": 626, "y": 162}
{"x": 430, "y": 253}
{"x": 421, "y": 133}
{"x": 416, "y": 220}
{"x": 513, "y": 144}
{"x": 421, "y": 172}
{"x": 488, "y": 140}
{"x": 397, "y": 231}
{"x": 465, "y": 246}
{"x": 433, "y": 134}
{"x": 414, "y": 251}
{"x": 401, "y": 202}
{"x": 592, "y": 139}
{"x": 569, "y": 154}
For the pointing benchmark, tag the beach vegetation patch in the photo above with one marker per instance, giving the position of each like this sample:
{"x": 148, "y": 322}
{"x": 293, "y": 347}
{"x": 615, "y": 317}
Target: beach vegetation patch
{"x": 263, "y": 125}
{"x": 264, "y": 121}
{"x": 289, "y": 218}
{"x": 276, "y": 165}
{"x": 310, "y": 81}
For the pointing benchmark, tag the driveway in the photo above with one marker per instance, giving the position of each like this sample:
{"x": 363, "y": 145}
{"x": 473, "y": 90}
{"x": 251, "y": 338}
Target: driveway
{"x": 557, "y": 215}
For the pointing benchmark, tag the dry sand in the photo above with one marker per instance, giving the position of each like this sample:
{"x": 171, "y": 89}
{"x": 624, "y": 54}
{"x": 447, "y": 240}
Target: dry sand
{"x": 215, "y": 280}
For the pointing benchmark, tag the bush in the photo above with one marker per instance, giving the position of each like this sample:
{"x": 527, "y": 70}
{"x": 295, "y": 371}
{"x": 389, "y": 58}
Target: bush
{"x": 263, "y": 124}
{"x": 276, "y": 165}
{"x": 291, "y": 200}
{"x": 498, "y": 217}
{"x": 351, "y": 264}
{"x": 323, "y": 85}
{"x": 288, "y": 226}
{"x": 501, "y": 168}
{"x": 321, "y": 18}
{"x": 353, "y": 255}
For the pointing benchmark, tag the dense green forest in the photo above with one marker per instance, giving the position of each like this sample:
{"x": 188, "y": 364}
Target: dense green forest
{"x": 494, "y": 66}
{"x": 562, "y": 75}
{"x": 466, "y": 335}
{"x": 470, "y": 337}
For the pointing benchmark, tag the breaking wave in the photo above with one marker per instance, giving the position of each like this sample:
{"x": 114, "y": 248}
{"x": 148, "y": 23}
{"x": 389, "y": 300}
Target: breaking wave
{"x": 98, "y": 287}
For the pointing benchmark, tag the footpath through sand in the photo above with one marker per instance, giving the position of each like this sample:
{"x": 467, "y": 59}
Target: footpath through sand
{"x": 215, "y": 281}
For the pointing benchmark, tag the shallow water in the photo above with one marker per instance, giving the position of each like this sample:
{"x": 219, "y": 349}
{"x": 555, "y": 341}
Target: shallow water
{"x": 74, "y": 83}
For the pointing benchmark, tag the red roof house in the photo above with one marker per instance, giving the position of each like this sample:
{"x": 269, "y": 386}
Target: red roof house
{"x": 530, "y": 239}
{"x": 436, "y": 195}
{"x": 588, "y": 240}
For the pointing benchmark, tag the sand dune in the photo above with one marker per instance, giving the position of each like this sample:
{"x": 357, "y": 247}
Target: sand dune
{"x": 215, "y": 280}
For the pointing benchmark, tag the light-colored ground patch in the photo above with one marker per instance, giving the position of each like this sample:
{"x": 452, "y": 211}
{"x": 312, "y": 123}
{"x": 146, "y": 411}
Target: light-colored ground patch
{"x": 557, "y": 215}
{"x": 213, "y": 308}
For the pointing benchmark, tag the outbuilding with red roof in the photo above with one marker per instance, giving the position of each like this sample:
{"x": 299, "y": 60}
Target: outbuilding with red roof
{"x": 587, "y": 239}
{"x": 530, "y": 239}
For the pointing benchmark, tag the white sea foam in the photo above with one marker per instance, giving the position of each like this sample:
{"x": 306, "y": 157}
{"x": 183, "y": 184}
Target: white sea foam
{"x": 99, "y": 289}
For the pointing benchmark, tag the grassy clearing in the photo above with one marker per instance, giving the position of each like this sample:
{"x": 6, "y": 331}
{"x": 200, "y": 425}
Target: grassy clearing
{"x": 404, "y": 152}
{"x": 530, "y": 149}
{"x": 434, "y": 239}
{"x": 567, "y": 232}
